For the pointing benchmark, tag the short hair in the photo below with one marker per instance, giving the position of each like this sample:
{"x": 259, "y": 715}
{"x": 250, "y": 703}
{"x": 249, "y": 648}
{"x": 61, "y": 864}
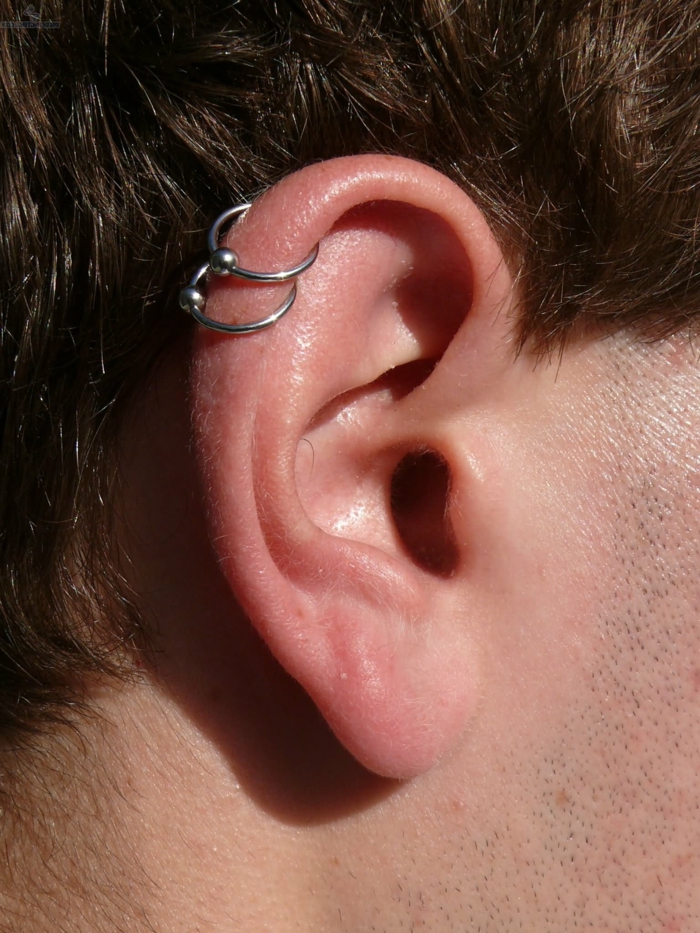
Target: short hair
{"x": 573, "y": 125}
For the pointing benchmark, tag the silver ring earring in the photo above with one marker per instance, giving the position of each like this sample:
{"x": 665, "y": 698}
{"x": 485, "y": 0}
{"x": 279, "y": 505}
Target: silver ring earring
{"x": 224, "y": 261}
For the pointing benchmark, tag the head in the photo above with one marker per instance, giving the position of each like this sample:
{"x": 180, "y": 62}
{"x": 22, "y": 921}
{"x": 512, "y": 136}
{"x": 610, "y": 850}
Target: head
{"x": 385, "y": 616}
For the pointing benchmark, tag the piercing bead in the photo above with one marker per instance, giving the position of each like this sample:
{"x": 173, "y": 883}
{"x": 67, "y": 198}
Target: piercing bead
{"x": 191, "y": 298}
{"x": 223, "y": 261}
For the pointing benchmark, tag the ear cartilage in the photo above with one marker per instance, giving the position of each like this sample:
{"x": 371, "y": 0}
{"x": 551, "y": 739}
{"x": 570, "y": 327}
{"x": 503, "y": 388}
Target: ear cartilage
{"x": 225, "y": 262}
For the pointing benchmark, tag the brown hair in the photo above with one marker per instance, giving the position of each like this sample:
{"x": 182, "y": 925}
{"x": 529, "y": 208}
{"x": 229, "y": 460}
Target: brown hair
{"x": 574, "y": 125}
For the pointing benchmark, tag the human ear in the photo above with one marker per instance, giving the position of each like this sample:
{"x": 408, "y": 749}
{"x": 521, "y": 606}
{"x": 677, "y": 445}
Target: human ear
{"x": 340, "y": 469}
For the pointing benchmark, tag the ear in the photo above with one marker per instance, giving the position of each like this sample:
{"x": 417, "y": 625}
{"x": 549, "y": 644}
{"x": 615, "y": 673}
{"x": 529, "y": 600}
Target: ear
{"x": 343, "y": 478}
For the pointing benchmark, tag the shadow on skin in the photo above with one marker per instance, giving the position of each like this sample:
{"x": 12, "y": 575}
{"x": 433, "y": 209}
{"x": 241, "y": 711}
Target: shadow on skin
{"x": 208, "y": 657}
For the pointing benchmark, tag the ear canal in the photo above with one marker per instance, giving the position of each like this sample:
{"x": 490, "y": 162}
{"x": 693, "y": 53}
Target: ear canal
{"x": 327, "y": 447}
{"x": 420, "y": 506}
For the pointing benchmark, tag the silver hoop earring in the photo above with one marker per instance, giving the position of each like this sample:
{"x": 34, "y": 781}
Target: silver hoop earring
{"x": 224, "y": 261}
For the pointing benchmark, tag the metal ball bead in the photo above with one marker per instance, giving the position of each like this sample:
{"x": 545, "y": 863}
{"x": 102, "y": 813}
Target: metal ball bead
{"x": 223, "y": 261}
{"x": 191, "y": 298}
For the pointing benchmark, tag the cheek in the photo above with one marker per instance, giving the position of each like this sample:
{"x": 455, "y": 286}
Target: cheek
{"x": 650, "y": 601}
{"x": 633, "y": 731}
{"x": 611, "y": 511}
{"x": 649, "y": 613}
{"x": 600, "y": 649}
{"x": 596, "y": 572}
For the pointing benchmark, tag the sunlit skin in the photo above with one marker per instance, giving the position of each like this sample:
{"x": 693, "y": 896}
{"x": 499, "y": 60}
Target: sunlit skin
{"x": 571, "y": 800}
{"x": 568, "y": 799}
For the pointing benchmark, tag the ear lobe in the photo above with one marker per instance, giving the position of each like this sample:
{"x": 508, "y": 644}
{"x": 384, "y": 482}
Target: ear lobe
{"x": 329, "y": 450}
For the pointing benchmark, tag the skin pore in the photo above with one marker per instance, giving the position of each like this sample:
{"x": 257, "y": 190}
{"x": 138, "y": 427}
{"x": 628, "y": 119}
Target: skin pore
{"x": 570, "y": 802}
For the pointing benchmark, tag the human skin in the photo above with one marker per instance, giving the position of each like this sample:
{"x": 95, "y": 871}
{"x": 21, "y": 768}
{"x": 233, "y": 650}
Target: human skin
{"x": 571, "y": 802}
{"x": 568, "y": 801}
